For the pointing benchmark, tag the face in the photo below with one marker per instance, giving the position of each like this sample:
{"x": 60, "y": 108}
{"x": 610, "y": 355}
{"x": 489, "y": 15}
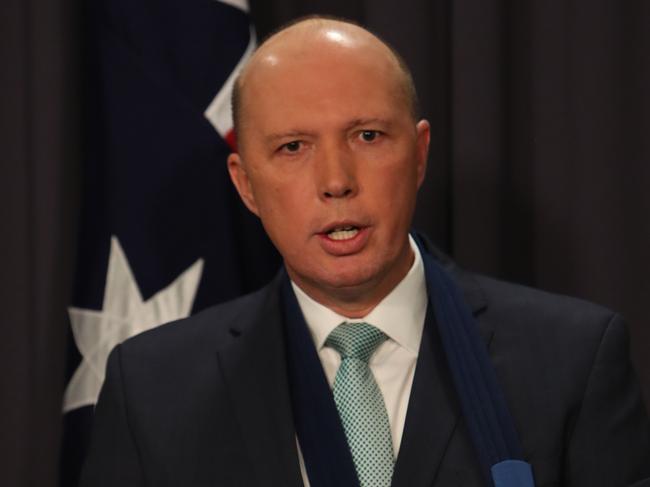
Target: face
{"x": 331, "y": 161}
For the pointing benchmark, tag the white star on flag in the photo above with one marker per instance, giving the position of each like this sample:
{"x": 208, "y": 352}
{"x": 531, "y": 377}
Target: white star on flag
{"x": 123, "y": 315}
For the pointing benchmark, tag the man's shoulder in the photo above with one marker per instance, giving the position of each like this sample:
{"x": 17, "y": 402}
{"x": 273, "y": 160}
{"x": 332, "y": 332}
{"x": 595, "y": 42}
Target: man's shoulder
{"x": 504, "y": 296}
{"x": 535, "y": 322}
{"x": 544, "y": 327}
{"x": 511, "y": 305}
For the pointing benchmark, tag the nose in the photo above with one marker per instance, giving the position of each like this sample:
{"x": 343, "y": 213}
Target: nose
{"x": 336, "y": 173}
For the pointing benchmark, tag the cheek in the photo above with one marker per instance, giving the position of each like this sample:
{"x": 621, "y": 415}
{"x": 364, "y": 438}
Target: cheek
{"x": 394, "y": 175}
{"x": 396, "y": 191}
{"x": 283, "y": 204}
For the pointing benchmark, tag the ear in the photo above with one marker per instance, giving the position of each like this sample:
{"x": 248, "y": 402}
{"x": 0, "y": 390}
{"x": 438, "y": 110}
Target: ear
{"x": 423, "y": 130}
{"x": 240, "y": 179}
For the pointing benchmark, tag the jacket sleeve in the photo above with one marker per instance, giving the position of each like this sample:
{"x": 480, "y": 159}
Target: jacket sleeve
{"x": 610, "y": 442}
{"x": 113, "y": 459}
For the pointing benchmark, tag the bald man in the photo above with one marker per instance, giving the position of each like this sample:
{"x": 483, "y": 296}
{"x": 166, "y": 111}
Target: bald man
{"x": 371, "y": 359}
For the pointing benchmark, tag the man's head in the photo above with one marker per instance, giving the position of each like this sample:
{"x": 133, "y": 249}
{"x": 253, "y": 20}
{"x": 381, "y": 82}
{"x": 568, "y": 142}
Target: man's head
{"x": 407, "y": 84}
{"x": 330, "y": 158}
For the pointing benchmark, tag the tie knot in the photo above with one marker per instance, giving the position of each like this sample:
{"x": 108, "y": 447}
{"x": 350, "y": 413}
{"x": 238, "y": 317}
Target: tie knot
{"x": 355, "y": 340}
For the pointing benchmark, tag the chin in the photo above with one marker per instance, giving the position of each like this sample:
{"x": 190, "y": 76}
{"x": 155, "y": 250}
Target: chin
{"x": 351, "y": 277}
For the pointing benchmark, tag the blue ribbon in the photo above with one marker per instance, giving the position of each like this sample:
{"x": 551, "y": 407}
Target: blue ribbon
{"x": 512, "y": 473}
{"x": 490, "y": 425}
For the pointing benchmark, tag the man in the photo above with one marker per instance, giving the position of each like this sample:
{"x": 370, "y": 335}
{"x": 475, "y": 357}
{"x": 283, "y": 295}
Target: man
{"x": 364, "y": 362}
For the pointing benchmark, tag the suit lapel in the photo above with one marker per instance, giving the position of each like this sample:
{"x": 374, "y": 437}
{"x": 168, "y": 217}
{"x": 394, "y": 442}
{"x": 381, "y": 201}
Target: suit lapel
{"x": 434, "y": 412}
{"x": 254, "y": 370}
{"x": 432, "y": 415}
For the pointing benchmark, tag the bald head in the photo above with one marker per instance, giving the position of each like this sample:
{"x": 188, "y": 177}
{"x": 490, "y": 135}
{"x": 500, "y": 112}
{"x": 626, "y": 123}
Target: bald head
{"x": 315, "y": 38}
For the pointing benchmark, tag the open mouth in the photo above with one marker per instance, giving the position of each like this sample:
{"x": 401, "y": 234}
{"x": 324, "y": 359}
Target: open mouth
{"x": 343, "y": 233}
{"x": 344, "y": 238}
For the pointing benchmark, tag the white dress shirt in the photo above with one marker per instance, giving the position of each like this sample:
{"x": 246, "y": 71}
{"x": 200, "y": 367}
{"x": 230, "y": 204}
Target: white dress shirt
{"x": 400, "y": 315}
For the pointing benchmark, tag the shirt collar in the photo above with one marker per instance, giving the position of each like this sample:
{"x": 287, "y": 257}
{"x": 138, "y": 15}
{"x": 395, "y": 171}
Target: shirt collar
{"x": 400, "y": 315}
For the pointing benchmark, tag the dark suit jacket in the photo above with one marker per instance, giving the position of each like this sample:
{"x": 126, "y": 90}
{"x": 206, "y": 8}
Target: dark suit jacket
{"x": 205, "y": 402}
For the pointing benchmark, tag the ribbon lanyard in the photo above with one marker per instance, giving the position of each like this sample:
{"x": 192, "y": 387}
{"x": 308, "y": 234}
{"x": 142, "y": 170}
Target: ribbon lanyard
{"x": 486, "y": 413}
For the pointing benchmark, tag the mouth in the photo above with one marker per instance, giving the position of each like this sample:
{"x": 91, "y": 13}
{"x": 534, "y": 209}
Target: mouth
{"x": 344, "y": 238}
{"x": 342, "y": 232}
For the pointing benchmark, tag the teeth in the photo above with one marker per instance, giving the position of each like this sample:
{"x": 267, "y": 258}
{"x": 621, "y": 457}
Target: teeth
{"x": 343, "y": 233}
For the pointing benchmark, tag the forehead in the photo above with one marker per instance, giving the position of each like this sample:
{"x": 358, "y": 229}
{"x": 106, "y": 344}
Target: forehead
{"x": 316, "y": 80}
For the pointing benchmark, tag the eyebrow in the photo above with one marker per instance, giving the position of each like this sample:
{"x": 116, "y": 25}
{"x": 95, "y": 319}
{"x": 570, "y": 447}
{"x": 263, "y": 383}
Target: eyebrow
{"x": 271, "y": 138}
{"x": 368, "y": 121}
{"x": 296, "y": 134}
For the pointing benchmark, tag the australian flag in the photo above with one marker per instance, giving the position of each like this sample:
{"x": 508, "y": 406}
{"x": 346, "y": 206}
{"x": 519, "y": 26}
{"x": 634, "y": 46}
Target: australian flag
{"x": 162, "y": 232}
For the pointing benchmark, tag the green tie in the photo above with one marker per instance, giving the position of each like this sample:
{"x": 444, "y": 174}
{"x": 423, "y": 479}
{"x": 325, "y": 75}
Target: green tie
{"x": 360, "y": 403}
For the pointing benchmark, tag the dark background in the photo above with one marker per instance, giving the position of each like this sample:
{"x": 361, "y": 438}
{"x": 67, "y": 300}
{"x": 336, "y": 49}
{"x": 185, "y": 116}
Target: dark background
{"x": 539, "y": 169}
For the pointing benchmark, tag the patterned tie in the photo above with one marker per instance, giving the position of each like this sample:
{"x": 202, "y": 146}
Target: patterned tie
{"x": 360, "y": 403}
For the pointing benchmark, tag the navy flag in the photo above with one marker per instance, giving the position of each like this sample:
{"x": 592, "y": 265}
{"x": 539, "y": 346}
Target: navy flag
{"x": 162, "y": 231}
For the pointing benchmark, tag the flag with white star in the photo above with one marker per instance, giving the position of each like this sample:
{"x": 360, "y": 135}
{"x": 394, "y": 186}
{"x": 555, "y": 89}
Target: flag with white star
{"x": 162, "y": 232}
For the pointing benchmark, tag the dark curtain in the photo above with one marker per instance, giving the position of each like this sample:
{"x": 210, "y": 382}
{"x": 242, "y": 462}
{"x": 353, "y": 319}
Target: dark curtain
{"x": 39, "y": 164}
{"x": 538, "y": 169}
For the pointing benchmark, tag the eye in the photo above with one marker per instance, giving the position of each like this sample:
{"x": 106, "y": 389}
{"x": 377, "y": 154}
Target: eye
{"x": 369, "y": 135}
{"x": 291, "y": 147}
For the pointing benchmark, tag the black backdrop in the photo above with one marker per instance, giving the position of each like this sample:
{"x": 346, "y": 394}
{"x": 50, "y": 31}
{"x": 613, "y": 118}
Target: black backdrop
{"x": 538, "y": 173}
